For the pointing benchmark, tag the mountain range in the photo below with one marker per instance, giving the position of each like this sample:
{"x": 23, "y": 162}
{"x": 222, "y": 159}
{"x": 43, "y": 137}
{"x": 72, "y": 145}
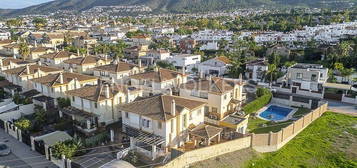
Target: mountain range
{"x": 175, "y": 6}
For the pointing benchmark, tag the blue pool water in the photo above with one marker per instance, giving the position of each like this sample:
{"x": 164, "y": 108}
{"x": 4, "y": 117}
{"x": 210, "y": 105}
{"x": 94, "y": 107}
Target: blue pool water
{"x": 275, "y": 113}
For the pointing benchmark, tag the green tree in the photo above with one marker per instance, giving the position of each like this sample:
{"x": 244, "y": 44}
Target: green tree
{"x": 271, "y": 70}
{"x": 68, "y": 148}
{"x": 23, "y": 124}
{"x": 24, "y": 50}
{"x": 39, "y": 22}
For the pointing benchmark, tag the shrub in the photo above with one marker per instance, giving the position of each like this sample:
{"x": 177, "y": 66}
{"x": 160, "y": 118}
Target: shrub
{"x": 257, "y": 103}
{"x": 97, "y": 139}
{"x": 63, "y": 102}
{"x": 68, "y": 148}
{"x": 262, "y": 91}
{"x": 23, "y": 124}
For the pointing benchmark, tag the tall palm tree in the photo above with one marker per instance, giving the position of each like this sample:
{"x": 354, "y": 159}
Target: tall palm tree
{"x": 271, "y": 69}
{"x": 24, "y": 50}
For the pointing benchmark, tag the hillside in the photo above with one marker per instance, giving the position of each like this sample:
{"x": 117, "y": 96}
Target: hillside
{"x": 173, "y": 5}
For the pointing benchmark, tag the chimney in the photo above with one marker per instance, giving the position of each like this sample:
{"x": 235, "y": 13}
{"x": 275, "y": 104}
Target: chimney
{"x": 112, "y": 80}
{"x": 27, "y": 69}
{"x": 156, "y": 69}
{"x": 139, "y": 63}
{"x": 183, "y": 70}
{"x": 173, "y": 108}
{"x": 61, "y": 77}
{"x": 201, "y": 75}
{"x": 240, "y": 78}
{"x": 39, "y": 63}
{"x": 106, "y": 91}
{"x": 35, "y": 43}
{"x": 1, "y": 63}
{"x": 14, "y": 56}
{"x": 170, "y": 91}
{"x": 78, "y": 52}
{"x": 71, "y": 70}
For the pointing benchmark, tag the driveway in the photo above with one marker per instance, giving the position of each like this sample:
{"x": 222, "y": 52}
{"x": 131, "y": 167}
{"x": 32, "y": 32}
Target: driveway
{"x": 340, "y": 107}
{"x": 22, "y": 156}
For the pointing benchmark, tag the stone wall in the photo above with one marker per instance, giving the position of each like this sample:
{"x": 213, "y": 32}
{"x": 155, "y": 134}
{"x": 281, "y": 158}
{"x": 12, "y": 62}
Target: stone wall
{"x": 204, "y": 153}
{"x": 270, "y": 142}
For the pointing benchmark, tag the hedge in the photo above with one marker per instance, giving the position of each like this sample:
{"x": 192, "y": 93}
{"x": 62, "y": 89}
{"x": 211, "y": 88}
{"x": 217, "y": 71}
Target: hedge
{"x": 257, "y": 103}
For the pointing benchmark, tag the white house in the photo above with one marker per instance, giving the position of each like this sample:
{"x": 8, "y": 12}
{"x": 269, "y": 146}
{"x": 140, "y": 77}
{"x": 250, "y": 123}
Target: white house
{"x": 187, "y": 61}
{"x": 217, "y": 66}
{"x": 157, "y": 123}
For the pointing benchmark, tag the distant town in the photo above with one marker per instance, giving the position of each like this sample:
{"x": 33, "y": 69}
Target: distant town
{"x": 101, "y": 88}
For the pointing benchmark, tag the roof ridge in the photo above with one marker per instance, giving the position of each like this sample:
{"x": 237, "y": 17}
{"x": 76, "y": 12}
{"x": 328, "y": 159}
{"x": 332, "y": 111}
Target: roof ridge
{"x": 82, "y": 61}
{"x": 54, "y": 81}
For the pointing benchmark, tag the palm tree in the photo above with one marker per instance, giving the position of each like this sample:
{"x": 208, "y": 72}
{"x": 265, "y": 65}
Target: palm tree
{"x": 24, "y": 50}
{"x": 271, "y": 69}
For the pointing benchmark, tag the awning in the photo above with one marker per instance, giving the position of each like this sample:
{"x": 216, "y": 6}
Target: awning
{"x": 53, "y": 137}
{"x": 70, "y": 110}
{"x": 337, "y": 86}
{"x": 8, "y": 107}
{"x": 144, "y": 137}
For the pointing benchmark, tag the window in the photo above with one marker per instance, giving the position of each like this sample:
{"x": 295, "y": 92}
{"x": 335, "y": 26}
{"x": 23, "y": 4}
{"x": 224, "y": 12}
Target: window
{"x": 206, "y": 109}
{"x": 190, "y": 116}
{"x": 225, "y": 97}
{"x": 126, "y": 115}
{"x": 313, "y": 77}
{"x": 214, "y": 109}
{"x": 159, "y": 125}
{"x": 73, "y": 98}
{"x": 96, "y": 105}
{"x": 199, "y": 112}
{"x": 184, "y": 123}
{"x": 120, "y": 100}
{"x": 299, "y": 76}
{"x": 145, "y": 123}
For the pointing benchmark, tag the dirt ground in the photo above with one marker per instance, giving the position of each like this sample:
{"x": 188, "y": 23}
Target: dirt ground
{"x": 230, "y": 160}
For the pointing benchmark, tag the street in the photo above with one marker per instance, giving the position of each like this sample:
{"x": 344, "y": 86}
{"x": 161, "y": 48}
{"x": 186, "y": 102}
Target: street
{"x": 340, "y": 107}
{"x": 21, "y": 156}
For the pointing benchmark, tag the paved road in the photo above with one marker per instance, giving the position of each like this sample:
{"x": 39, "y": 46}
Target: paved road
{"x": 22, "y": 156}
{"x": 342, "y": 107}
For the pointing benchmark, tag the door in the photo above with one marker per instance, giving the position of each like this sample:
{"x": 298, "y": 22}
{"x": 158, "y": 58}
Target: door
{"x": 294, "y": 89}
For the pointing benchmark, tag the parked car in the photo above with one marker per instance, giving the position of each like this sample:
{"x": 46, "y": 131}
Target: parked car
{"x": 4, "y": 150}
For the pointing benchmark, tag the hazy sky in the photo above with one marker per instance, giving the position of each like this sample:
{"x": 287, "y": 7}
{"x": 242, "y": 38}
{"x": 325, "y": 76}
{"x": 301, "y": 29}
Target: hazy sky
{"x": 16, "y": 4}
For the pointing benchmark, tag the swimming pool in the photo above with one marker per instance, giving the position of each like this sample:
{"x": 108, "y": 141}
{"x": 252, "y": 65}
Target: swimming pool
{"x": 276, "y": 113}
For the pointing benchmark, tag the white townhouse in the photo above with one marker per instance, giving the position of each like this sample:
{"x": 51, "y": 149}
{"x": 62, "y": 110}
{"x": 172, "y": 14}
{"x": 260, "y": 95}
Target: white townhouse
{"x": 55, "y": 85}
{"x": 22, "y": 76}
{"x": 158, "y": 81}
{"x": 222, "y": 96}
{"x": 97, "y": 105}
{"x": 9, "y": 63}
{"x": 256, "y": 70}
{"x": 117, "y": 71}
{"x": 217, "y": 66}
{"x": 56, "y": 58}
{"x": 160, "y": 122}
{"x": 85, "y": 64}
{"x": 187, "y": 61}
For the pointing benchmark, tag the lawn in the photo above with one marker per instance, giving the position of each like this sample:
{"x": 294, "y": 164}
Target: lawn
{"x": 331, "y": 141}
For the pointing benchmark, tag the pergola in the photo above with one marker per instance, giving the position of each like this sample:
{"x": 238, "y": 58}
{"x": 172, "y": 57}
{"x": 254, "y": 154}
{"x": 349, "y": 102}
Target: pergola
{"x": 206, "y": 133}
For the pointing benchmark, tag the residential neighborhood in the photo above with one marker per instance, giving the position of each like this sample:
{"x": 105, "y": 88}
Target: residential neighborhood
{"x": 124, "y": 86}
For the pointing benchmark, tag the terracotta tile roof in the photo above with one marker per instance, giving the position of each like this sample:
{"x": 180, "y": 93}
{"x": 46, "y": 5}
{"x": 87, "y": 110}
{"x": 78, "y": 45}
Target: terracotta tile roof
{"x": 159, "y": 107}
{"x": 5, "y": 41}
{"x": 215, "y": 85}
{"x": 39, "y": 49}
{"x": 120, "y": 67}
{"x": 160, "y": 76}
{"x": 12, "y": 46}
{"x": 33, "y": 69}
{"x": 83, "y": 60}
{"x": 6, "y": 61}
{"x": 206, "y": 131}
{"x": 55, "y": 35}
{"x": 53, "y": 80}
{"x": 97, "y": 92}
{"x": 223, "y": 59}
{"x": 60, "y": 54}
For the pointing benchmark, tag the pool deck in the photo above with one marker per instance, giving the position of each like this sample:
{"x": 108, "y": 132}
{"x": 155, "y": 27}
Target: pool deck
{"x": 288, "y": 117}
